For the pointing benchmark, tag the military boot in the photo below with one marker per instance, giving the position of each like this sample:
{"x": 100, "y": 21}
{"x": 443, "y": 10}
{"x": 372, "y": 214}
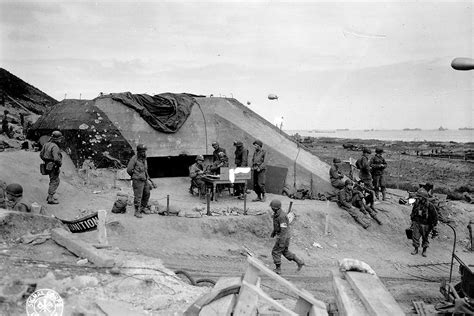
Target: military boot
{"x": 52, "y": 200}
{"x": 300, "y": 264}
{"x": 414, "y": 252}
{"x": 424, "y": 251}
{"x": 277, "y": 269}
{"x": 138, "y": 213}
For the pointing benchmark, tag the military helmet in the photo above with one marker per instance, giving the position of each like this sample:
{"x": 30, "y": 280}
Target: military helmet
{"x": 141, "y": 147}
{"x": 366, "y": 150}
{"x": 238, "y": 143}
{"x": 258, "y": 142}
{"x": 275, "y": 204}
{"x": 15, "y": 189}
{"x": 56, "y": 134}
{"x": 378, "y": 150}
{"x": 199, "y": 158}
{"x": 336, "y": 160}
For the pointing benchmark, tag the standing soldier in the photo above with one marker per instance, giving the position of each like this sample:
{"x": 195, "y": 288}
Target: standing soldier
{"x": 217, "y": 150}
{"x": 363, "y": 165}
{"x": 423, "y": 220}
{"x": 281, "y": 229}
{"x": 344, "y": 200}
{"x": 335, "y": 175}
{"x": 259, "y": 168}
{"x": 52, "y": 157}
{"x": 377, "y": 167}
{"x": 138, "y": 169}
{"x": 241, "y": 160}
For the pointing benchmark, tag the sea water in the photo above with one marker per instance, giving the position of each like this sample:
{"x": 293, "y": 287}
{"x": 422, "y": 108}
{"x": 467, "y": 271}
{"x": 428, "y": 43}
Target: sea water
{"x": 458, "y": 136}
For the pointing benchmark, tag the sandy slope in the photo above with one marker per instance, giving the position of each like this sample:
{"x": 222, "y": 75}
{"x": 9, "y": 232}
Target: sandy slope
{"x": 212, "y": 246}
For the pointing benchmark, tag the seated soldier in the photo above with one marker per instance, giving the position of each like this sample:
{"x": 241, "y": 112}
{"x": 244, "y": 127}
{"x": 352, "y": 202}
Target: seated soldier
{"x": 196, "y": 172}
{"x": 345, "y": 201}
{"x": 223, "y": 161}
{"x": 363, "y": 199}
{"x": 12, "y": 198}
{"x": 335, "y": 175}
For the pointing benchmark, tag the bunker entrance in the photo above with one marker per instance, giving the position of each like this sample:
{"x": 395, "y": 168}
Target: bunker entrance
{"x": 171, "y": 166}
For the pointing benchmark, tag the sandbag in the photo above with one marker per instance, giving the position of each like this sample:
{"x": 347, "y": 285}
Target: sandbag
{"x": 348, "y": 264}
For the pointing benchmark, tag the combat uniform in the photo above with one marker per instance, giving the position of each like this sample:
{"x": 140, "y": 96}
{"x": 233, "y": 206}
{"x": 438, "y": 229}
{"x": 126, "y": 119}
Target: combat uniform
{"x": 51, "y": 155}
{"x": 377, "y": 167}
{"x": 424, "y": 218}
{"x": 215, "y": 153}
{"x": 336, "y": 177}
{"x": 363, "y": 199}
{"x": 138, "y": 169}
{"x": 281, "y": 229}
{"x": 363, "y": 165}
{"x": 195, "y": 173}
{"x": 344, "y": 200}
{"x": 258, "y": 161}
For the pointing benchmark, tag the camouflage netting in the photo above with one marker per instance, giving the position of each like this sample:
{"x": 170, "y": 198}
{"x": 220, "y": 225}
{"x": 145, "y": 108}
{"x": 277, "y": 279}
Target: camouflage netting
{"x": 87, "y": 131}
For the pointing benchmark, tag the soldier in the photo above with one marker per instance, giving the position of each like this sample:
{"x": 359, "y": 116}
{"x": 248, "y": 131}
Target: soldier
{"x": 363, "y": 199}
{"x": 259, "y": 168}
{"x": 377, "y": 168}
{"x": 363, "y": 165}
{"x": 423, "y": 220}
{"x": 223, "y": 161}
{"x": 196, "y": 171}
{"x": 217, "y": 150}
{"x": 335, "y": 175}
{"x": 281, "y": 229}
{"x": 345, "y": 199}
{"x": 12, "y": 199}
{"x": 241, "y": 160}
{"x": 141, "y": 183}
{"x": 52, "y": 157}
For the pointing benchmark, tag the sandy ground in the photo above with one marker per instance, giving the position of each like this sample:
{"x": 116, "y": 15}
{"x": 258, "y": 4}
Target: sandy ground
{"x": 212, "y": 246}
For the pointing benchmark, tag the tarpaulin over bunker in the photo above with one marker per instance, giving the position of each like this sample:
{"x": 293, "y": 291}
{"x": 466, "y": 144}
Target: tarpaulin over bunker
{"x": 165, "y": 112}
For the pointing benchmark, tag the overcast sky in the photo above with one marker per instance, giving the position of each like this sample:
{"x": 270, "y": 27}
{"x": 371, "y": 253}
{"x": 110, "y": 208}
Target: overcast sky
{"x": 356, "y": 65}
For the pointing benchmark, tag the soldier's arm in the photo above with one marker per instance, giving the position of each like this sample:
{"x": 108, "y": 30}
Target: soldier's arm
{"x": 56, "y": 153}
{"x": 131, "y": 166}
{"x": 263, "y": 165}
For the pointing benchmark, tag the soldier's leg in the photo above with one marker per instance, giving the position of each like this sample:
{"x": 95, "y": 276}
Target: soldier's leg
{"x": 145, "y": 197}
{"x": 373, "y": 215}
{"x": 416, "y": 237}
{"x": 53, "y": 185}
{"x": 256, "y": 187}
{"x": 425, "y": 232}
{"x": 357, "y": 217}
{"x": 383, "y": 188}
{"x": 137, "y": 186}
{"x": 261, "y": 183}
{"x": 276, "y": 255}
{"x": 375, "y": 183}
{"x": 291, "y": 256}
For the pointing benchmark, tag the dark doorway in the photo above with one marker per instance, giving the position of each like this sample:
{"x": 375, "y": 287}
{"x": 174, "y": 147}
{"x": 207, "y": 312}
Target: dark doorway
{"x": 171, "y": 166}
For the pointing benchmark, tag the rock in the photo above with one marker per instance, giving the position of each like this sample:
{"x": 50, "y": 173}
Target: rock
{"x": 82, "y": 262}
{"x": 193, "y": 214}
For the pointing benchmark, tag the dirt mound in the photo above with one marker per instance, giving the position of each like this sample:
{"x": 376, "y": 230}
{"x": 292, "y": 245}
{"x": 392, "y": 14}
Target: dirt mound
{"x": 21, "y": 94}
{"x": 14, "y": 224}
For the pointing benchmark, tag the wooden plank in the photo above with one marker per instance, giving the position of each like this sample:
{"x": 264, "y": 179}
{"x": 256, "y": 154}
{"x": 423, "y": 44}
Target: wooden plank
{"x": 225, "y": 305}
{"x": 206, "y": 299}
{"x": 256, "y": 291}
{"x": 299, "y": 292}
{"x": 81, "y": 248}
{"x": 374, "y": 295}
{"x": 247, "y": 301}
{"x": 302, "y": 306}
{"x": 346, "y": 299}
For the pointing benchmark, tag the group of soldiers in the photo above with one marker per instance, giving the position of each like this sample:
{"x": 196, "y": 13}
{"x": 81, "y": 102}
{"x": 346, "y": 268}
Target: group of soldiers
{"x": 358, "y": 197}
{"x": 220, "y": 159}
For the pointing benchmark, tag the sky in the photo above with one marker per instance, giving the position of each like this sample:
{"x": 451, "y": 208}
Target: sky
{"x": 335, "y": 64}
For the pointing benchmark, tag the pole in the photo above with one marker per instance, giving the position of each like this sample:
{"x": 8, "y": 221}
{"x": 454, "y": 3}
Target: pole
{"x": 208, "y": 200}
{"x": 167, "y": 205}
{"x": 101, "y": 229}
{"x": 289, "y": 207}
{"x": 326, "y": 224}
{"x": 245, "y": 198}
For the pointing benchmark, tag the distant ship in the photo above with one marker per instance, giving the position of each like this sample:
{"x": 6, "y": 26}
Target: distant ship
{"x": 466, "y": 129}
{"x": 412, "y": 129}
{"x": 441, "y": 128}
{"x": 341, "y": 129}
